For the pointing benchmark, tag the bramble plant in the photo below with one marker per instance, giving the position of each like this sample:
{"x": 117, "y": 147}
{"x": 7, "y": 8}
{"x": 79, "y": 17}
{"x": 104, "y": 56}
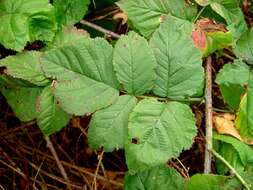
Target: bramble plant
{"x": 139, "y": 87}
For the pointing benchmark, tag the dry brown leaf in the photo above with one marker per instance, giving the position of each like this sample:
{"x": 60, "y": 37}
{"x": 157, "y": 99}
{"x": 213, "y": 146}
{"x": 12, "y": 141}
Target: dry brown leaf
{"x": 224, "y": 124}
{"x": 121, "y": 16}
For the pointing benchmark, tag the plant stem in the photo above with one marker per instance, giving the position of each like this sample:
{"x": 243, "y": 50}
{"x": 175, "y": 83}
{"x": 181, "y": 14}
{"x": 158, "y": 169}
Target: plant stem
{"x": 199, "y": 13}
{"x": 208, "y": 111}
{"x": 239, "y": 177}
{"x": 59, "y": 164}
{"x": 200, "y": 99}
{"x": 100, "y": 29}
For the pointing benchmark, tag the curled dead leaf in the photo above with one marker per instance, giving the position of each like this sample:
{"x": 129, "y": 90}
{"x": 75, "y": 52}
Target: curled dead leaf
{"x": 224, "y": 124}
{"x": 121, "y": 16}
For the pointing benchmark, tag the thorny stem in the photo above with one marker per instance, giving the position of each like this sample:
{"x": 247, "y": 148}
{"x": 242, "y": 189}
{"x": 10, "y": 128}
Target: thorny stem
{"x": 208, "y": 111}
{"x": 59, "y": 164}
{"x": 99, "y": 28}
{"x": 239, "y": 177}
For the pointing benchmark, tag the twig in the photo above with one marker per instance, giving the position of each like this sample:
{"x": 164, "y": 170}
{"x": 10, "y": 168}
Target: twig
{"x": 71, "y": 166}
{"x": 56, "y": 178}
{"x": 59, "y": 164}
{"x": 239, "y": 177}
{"x": 37, "y": 173}
{"x": 14, "y": 169}
{"x": 100, "y": 158}
{"x": 186, "y": 171}
{"x": 99, "y": 28}
{"x": 209, "y": 122}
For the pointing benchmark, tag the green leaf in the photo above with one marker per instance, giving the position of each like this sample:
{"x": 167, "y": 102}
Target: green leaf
{"x": 134, "y": 63}
{"x": 23, "y": 21}
{"x": 146, "y": 15}
{"x": 81, "y": 95}
{"x": 179, "y": 71}
{"x": 231, "y": 12}
{"x": 25, "y": 66}
{"x": 228, "y": 152}
{"x": 158, "y": 132}
{"x": 244, "y": 47}
{"x": 108, "y": 127}
{"x": 231, "y": 79}
{"x": 68, "y": 36}
{"x": 90, "y": 57}
{"x": 50, "y": 117}
{"x": 22, "y": 101}
{"x": 217, "y": 40}
{"x": 244, "y": 119}
{"x": 69, "y": 12}
{"x": 211, "y": 182}
{"x": 161, "y": 177}
{"x": 244, "y": 151}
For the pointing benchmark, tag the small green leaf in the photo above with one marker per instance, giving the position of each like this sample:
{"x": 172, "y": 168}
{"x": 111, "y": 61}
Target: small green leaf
{"x": 158, "y": 132}
{"x": 81, "y": 95}
{"x": 231, "y": 79}
{"x": 50, "y": 117}
{"x": 134, "y": 63}
{"x": 146, "y": 15}
{"x": 244, "y": 47}
{"x": 179, "y": 71}
{"x": 23, "y": 21}
{"x": 160, "y": 177}
{"x": 22, "y": 101}
{"x": 25, "y": 66}
{"x": 108, "y": 127}
{"x": 244, "y": 151}
{"x": 212, "y": 182}
{"x": 244, "y": 119}
{"x": 217, "y": 40}
{"x": 69, "y": 12}
{"x": 231, "y": 12}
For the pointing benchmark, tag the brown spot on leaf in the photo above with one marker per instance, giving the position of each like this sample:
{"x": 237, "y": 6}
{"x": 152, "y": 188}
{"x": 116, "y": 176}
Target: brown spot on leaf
{"x": 135, "y": 141}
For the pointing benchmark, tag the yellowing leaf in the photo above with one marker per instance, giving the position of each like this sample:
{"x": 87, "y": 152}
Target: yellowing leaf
{"x": 224, "y": 124}
{"x": 203, "y": 2}
{"x": 209, "y": 37}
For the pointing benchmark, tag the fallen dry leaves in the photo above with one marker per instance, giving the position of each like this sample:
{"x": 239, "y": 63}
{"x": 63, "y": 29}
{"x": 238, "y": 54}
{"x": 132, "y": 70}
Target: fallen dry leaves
{"x": 224, "y": 123}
